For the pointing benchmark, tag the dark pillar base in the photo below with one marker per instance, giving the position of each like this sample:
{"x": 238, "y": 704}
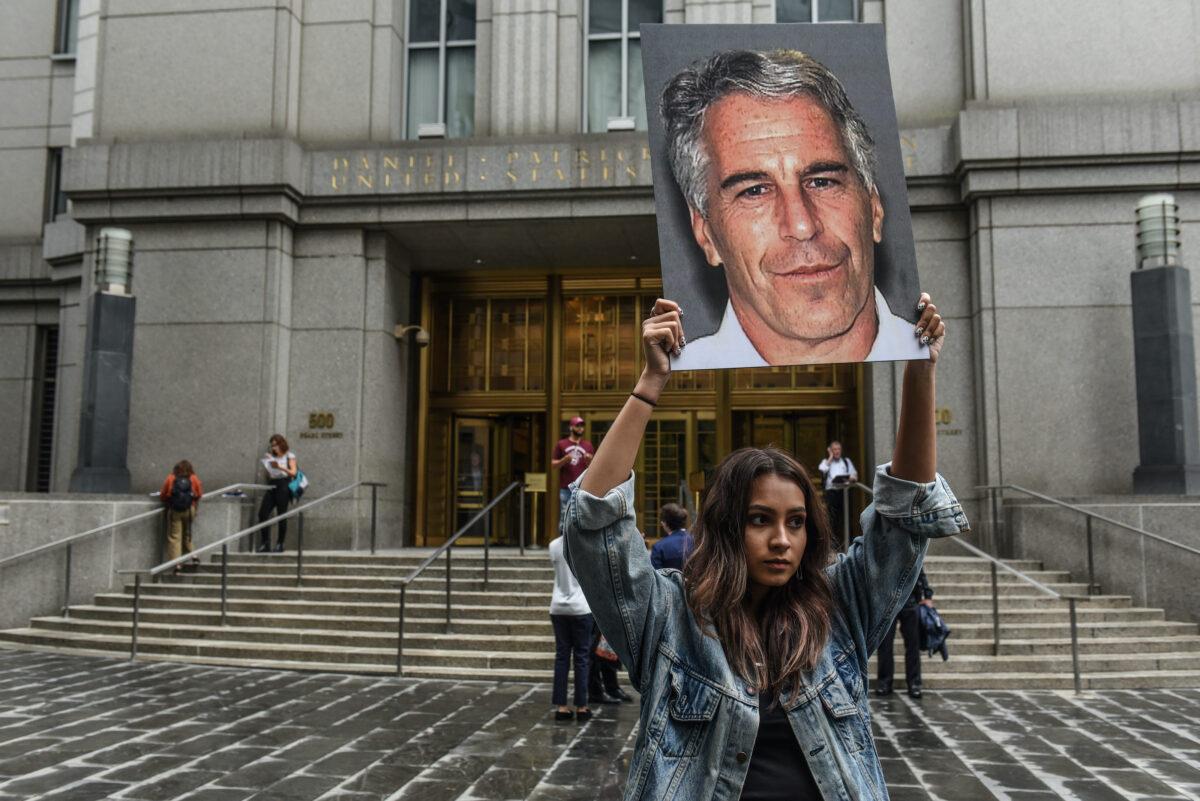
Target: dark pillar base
{"x": 1172, "y": 479}
{"x": 100, "y": 479}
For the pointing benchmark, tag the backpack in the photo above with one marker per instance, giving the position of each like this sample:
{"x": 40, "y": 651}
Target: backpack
{"x": 181, "y": 494}
{"x": 298, "y": 485}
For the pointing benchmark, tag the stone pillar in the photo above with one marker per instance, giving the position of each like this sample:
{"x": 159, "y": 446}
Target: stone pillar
{"x": 524, "y": 68}
{"x": 1165, "y": 362}
{"x": 107, "y": 377}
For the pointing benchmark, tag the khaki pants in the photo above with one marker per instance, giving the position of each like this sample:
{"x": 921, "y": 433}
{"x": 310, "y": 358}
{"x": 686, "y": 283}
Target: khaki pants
{"x": 180, "y": 531}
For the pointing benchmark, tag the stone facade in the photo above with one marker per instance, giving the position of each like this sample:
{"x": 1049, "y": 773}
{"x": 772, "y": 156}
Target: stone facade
{"x": 281, "y": 222}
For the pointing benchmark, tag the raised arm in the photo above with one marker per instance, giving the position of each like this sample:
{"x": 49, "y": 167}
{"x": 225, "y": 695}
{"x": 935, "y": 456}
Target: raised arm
{"x": 662, "y": 335}
{"x": 915, "y": 455}
{"x": 607, "y": 553}
{"x": 912, "y": 504}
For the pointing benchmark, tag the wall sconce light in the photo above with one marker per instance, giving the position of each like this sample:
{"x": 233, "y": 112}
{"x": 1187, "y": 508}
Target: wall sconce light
{"x": 1158, "y": 231}
{"x": 420, "y": 335}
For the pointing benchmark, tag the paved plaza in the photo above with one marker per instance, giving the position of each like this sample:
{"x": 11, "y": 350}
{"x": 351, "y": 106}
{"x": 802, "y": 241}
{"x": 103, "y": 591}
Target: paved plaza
{"x": 75, "y": 728}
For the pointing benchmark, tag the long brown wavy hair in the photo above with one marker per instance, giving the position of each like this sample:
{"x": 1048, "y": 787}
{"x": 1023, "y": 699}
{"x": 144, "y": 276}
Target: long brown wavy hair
{"x": 795, "y": 619}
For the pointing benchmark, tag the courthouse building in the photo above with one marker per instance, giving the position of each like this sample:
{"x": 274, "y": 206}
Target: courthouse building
{"x": 303, "y": 177}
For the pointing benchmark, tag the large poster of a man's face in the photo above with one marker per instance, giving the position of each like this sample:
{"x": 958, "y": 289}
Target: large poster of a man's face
{"x": 782, "y": 210}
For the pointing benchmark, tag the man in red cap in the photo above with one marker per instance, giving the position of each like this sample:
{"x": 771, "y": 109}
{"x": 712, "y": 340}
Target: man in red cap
{"x": 572, "y": 455}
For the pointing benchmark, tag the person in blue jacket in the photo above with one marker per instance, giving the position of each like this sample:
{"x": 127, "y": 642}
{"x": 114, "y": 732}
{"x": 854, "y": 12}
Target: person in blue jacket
{"x": 672, "y": 550}
{"x": 751, "y": 663}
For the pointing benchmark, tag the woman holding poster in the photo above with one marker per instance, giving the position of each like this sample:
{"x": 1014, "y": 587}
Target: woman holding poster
{"x": 752, "y": 662}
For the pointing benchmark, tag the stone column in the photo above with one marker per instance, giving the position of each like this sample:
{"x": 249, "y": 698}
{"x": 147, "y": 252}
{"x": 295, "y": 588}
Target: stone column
{"x": 1165, "y": 362}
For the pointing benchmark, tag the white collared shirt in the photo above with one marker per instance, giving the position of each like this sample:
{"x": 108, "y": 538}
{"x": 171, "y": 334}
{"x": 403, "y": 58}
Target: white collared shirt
{"x": 730, "y": 347}
{"x": 832, "y": 468}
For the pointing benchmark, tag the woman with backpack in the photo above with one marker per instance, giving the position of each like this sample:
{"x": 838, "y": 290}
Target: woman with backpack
{"x": 280, "y": 464}
{"x": 181, "y": 493}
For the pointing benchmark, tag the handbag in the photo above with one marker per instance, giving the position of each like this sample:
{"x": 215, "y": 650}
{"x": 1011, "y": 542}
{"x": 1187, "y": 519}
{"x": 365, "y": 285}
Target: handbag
{"x": 605, "y": 651}
{"x": 298, "y": 484}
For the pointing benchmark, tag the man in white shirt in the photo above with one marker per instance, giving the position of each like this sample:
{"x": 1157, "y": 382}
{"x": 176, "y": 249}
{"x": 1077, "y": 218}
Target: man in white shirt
{"x": 778, "y": 171}
{"x": 572, "y": 621}
{"x": 838, "y": 472}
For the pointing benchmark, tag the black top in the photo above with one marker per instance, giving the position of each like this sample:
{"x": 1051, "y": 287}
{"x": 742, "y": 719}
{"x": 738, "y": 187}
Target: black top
{"x": 778, "y": 769}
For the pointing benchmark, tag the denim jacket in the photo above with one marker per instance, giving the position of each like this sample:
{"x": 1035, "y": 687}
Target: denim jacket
{"x": 699, "y": 719}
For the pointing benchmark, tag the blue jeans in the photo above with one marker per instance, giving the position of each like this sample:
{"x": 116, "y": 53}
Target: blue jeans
{"x": 572, "y": 636}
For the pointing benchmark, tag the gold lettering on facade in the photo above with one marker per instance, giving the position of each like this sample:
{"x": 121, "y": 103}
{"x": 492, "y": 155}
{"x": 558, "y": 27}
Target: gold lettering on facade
{"x": 631, "y": 170}
{"x": 645, "y": 153}
{"x": 366, "y": 180}
{"x": 451, "y": 178}
{"x": 582, "y": 156}
{"x": 429, "y": 161}
{"x": 604, "y": 173}
{"x": 390, "y": 163}
{"x": 338, "y": 186}
{"x": 536, "y": 156}
{"x": 512, "y": 176}
{"x": 604, "y": 154}
{"x": 533, "y": 175}
{"x": 387, "y": 180}
{"x": 583, "y": 174}
{"x": 364, "y": 163}
{"x": 558, "y": 173}
{"x": 513, "y": 156}
{"x": 620, "y": 155}
{"x": 341, "y": 164}
{"x": 428, "y": 178}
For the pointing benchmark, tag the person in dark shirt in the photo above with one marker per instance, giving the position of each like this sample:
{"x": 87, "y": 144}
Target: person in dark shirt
{"x": 672, "y": 549}
{"x": 910, "y": 629}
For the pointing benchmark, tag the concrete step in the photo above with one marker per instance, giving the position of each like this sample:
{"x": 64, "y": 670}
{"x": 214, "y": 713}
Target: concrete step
{"x": 267, "y": 604}
{"x": 436, "y": 572}
{"x": 1058, "y": 663}
{"x": 954, "y": 616}
{"x": 202, "y": 649}
{"x": 268, "y": 635}
{"x": 347, "y": 594}
{"x": 1131, "y": 680}
{"x": 1030, "y": 601}
{"x": 427, "y": 582}
{"x": 336, "y": 619}
{"x": 386, "y": 624}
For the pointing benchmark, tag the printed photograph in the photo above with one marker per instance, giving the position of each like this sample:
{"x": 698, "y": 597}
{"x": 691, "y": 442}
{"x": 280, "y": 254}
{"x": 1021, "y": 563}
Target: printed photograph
{"x": 783, "y": 218}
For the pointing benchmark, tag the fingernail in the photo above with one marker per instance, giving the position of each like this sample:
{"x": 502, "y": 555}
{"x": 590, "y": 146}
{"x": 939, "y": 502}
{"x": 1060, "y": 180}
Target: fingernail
{"x": 919, "y": 330}
{"x": 921, "y": 306}
{"x": 924, "y": 340}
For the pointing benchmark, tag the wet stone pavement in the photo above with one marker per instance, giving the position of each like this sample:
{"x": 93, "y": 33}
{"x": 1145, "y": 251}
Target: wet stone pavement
{"x": 80, "y": 728}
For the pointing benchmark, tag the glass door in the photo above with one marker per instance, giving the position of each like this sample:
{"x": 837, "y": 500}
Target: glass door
{"x": 661, "y": 466}
{"x": 473, "y": 484}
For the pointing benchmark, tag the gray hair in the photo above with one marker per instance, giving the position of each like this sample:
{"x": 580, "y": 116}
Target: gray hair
{"x": 776, "y": 74}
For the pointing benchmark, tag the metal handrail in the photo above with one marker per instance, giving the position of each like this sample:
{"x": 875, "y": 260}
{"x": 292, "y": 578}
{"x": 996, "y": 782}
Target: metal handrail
{"x": 995, "y": 491}
{"x": 75, "y": 538}
{"x": 999, "y": 563}
{"x": 223, "y": 544}
{"x": 70, "y": 542}
{"x": 445, "y": 548}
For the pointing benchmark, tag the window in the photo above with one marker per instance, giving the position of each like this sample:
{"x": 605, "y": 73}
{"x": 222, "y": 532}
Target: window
{"x": 56, "y": 198}
{"x": 816, "y": 10}
{"x": 68, "y": 26}
{"x": 441, "y": 65}
{"x": 41, "y": 445}
{"x": 613, "y": 63}
{"x": 488, "y": 344}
